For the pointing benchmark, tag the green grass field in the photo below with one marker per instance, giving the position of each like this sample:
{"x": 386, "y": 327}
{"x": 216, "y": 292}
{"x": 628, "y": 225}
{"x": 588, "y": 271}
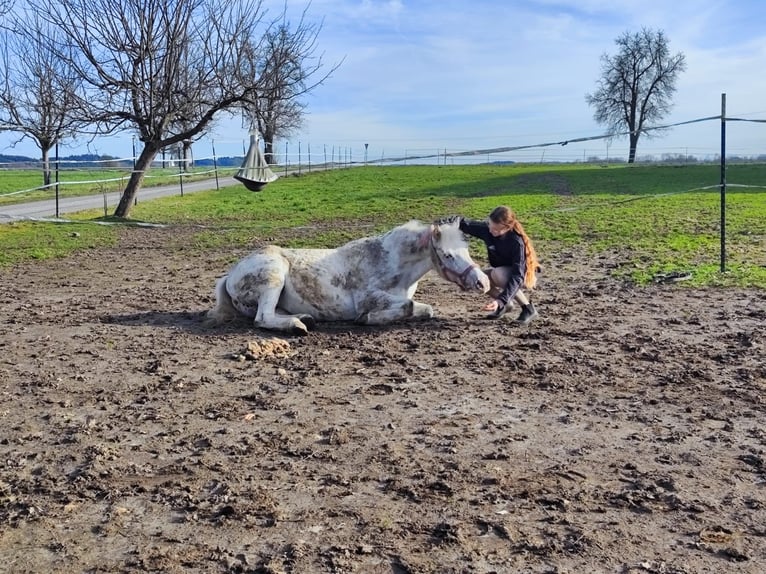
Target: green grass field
{"x": 650, "y": 219}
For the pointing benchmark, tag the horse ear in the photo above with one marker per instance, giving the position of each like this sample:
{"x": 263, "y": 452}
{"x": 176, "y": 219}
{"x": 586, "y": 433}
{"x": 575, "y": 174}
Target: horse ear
{"x": 436, "y": 232}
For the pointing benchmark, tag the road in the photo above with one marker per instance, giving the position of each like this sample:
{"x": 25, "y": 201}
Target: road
{"x": 47, "y": 208}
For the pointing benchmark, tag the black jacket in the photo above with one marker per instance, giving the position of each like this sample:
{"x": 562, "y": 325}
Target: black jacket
{"x": 507, "y": 250}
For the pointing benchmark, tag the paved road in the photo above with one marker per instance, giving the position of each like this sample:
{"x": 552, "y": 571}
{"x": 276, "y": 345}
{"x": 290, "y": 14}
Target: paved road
{"x": 47, "y": 208}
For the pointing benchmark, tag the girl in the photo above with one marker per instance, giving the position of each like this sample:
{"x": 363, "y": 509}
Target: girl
{"x": 512, "y": 259}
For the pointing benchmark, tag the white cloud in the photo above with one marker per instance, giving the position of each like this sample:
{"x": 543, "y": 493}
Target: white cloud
{"x": 377, "y": 10}
{"x": 492, "y": 72}
{"x": 510, "y": 69}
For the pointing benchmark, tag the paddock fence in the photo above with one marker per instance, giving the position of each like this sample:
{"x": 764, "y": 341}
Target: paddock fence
{"x": 112, "y": 173}
{"x": 109, "y": 175}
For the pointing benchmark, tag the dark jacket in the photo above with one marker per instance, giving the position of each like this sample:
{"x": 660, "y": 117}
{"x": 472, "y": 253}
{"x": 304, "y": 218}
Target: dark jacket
{"x": 507, "y": 250}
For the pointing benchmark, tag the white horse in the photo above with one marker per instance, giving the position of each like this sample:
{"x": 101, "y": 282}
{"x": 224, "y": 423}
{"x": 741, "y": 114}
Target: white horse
{"x": 371, "y": 280}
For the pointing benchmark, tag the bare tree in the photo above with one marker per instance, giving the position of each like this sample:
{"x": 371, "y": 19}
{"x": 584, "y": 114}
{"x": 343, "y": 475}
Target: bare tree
{"x": 636, "y": 85}
{"x": 277, "y": 118}
{"x": 40, "y": 95}
{"x": 289, "y": 65}
{"x": 5, "y": 6}
{"x": 184, "y": 123}
{"x": 163, "y": 69}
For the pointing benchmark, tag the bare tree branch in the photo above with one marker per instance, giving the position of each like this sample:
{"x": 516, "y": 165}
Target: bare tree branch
{"x": 40, "y": 95}
{"x": 5, "y": 6}
{"x": 289, "y": 67}
{"x": 163, "y": 69}
{"x": 636, "y": 85}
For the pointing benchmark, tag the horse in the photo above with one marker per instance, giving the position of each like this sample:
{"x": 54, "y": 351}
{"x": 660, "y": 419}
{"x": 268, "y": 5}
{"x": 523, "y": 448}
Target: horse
{"x": 371, "y": 280}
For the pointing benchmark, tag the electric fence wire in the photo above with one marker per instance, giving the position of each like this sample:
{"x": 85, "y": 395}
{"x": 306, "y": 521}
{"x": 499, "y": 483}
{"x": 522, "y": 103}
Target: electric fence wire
{"x": 487, "y": 151}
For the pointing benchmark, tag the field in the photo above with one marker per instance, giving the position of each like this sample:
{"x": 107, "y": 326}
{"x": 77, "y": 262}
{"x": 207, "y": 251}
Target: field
{"x": 77, "y": 182}
{"x": 660, "y": 219}
{"x": 621, "y": 432}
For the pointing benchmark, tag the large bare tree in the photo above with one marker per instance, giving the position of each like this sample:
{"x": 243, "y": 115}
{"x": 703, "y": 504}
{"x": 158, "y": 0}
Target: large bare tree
{"x": 162, "y": 69}
{"x": 277, "y": 118}
{"x": 637, "y": 84}
{"x": 289, "y": 64}
{"x": 40, "y": 94}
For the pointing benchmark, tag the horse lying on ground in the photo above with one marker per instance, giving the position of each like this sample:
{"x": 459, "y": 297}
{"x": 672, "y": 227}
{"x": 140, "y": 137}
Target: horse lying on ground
{"x": 371, "y": 281}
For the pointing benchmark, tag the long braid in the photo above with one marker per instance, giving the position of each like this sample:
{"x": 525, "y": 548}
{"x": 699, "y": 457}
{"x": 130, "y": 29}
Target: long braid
{"x": 533, "y": 264}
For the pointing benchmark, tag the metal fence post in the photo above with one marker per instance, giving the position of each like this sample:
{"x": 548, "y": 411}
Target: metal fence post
{"x": 723, "y": 183}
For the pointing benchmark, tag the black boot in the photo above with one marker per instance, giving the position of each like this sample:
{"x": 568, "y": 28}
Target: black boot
{"x": 528, "y": 313}
{"x": 497, "y": 313}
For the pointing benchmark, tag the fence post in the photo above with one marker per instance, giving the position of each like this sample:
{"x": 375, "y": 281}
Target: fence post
{"x": 215, "y": 165}
{"x": 180, "y": 172}
{"x": 723, "y": 183}
{"x": 57, "y": 179}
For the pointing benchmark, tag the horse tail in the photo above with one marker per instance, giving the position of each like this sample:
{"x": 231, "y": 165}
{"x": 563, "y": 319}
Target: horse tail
{"x": 224, "y": 309}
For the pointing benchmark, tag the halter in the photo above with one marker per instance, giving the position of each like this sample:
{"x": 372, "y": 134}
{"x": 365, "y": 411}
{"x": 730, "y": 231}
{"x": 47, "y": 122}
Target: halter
{"x": 446, "y": 272}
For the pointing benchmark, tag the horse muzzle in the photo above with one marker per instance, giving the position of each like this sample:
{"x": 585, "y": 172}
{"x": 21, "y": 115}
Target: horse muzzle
{"x": 473, "y": 279}
{"x": 481, "y": 282}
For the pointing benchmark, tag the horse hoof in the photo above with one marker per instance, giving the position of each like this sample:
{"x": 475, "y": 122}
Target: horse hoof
{"x": 299, "y": 329}
{"x": 309, "y": 321}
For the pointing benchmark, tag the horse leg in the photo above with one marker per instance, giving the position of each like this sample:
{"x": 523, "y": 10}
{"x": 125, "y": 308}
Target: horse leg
{"x": 422, "y": 310}
{"x": 268, "y": 317}
{"x": 384, "y": 308}
{"x": 255, "y": 287}
{"x": 307, "y": 320}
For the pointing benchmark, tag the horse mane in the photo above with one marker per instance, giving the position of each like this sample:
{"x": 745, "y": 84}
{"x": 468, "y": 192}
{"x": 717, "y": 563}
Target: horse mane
{"x": 411, "y": 232}
{"x": 413, "y": 225}
{"x": 451, "y": 236}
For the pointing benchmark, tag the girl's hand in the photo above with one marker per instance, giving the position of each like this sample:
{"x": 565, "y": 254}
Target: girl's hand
{"x": 491, "y": 306}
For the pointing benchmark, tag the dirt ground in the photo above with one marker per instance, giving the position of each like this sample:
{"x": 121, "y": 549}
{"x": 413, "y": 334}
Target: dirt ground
{"x": 624, "y": 431}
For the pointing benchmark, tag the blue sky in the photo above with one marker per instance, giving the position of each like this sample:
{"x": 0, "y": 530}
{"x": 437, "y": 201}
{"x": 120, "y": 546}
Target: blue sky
{"x": 422, "y": 75}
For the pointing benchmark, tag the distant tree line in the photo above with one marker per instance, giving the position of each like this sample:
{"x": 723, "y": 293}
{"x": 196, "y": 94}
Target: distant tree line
{"x": 93, "y": 160}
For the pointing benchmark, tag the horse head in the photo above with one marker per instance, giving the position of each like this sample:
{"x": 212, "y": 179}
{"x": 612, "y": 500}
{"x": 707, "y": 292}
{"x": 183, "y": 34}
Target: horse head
{"x": 452, "y": 260}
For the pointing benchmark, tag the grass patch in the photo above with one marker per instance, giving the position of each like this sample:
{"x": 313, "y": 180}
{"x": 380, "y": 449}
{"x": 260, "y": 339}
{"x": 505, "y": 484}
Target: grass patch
{"x": 79, "y": 182}
{"x": 25, "y": 241}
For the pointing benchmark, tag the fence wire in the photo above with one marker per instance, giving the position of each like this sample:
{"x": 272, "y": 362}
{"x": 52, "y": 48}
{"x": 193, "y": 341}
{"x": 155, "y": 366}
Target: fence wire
{"x": 347, "y": 161}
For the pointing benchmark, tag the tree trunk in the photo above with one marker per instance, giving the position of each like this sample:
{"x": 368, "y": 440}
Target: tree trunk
{"x": 143, "y": 163}
{"x": 46, "y": 167}
{"x": 268, "y": 145}
{"x": 188, "y": 159}
{"x": 633, "y": 146}
{"x": 268, "y": 152}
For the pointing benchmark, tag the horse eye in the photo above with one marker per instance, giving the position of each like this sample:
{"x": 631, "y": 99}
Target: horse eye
{"x": 449, "y": 256}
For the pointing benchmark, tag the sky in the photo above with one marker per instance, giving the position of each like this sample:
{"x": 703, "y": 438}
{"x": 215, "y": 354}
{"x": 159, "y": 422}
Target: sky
{"x": 419, "y": 77}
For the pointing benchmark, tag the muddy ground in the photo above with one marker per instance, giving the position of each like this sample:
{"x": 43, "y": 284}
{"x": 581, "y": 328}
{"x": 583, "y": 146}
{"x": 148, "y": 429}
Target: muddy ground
{"x": 624, "y": 431}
